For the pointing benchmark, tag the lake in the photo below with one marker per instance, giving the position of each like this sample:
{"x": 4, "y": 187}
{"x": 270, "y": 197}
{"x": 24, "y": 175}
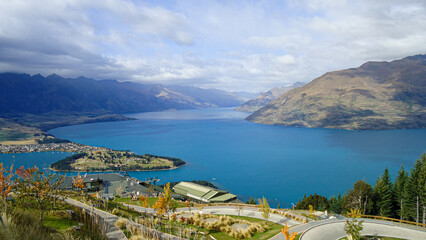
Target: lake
{"x": 249, "y": 159}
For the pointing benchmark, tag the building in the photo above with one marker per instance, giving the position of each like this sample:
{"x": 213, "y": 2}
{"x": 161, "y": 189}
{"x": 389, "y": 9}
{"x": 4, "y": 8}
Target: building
{"x": 203, "y": 193}
{"x": 109, "y": 184}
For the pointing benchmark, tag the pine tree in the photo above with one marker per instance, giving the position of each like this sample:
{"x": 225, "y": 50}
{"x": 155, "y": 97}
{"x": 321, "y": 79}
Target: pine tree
{"x": 336, "y": 204}
{"x": 413, "y": 191}
{"x": 383, "y": 192}
{"x": 422, "y": 187}
{"x": 398, "y": 192}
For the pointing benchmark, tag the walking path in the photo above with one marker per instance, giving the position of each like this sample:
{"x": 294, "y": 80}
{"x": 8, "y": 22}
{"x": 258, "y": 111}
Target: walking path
{"x": 229, "y": 210}
{"x": 106, "y": 219}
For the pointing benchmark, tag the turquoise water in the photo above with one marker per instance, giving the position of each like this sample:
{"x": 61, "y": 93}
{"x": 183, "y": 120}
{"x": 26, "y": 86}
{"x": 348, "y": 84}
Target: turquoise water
{"x": 41, "y": 159}
{"x": 248, "y": 159}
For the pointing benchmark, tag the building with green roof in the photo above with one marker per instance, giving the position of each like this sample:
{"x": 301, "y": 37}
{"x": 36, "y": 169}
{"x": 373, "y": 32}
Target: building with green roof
{"x": 203, "y": 193}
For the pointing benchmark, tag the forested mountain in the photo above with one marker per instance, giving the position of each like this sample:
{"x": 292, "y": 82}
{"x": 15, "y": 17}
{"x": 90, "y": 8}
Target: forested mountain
{"x": 376, "y": 95}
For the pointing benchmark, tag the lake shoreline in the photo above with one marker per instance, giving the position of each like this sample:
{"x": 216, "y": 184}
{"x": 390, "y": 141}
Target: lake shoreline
{"x": 112, "y": 171}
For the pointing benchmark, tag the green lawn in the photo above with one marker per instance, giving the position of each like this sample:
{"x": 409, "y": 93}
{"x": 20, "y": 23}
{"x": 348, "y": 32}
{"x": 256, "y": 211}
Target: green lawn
{"x": 59, "y": 224}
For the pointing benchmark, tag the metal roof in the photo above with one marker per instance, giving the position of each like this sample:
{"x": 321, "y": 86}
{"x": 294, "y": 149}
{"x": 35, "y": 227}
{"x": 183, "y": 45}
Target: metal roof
{"x": 203, "y": 193}
{"x": 224, "y": 198}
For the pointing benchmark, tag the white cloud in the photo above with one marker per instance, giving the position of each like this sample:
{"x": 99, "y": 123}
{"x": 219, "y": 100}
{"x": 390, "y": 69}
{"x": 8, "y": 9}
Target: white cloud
{"x": 230, "y": 45}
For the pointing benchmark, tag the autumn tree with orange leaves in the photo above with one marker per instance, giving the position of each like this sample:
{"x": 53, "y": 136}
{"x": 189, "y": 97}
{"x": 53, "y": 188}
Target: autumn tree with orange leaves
{"x": 6, "y": 184}
{"x": 287, "y": 235}
{"x": 165, "y": 202}
{"x": 38, "y": 189}
{"x": 78, "y": 182}
{"x": 144, "y": 200}
{"x": 160, "y": 205}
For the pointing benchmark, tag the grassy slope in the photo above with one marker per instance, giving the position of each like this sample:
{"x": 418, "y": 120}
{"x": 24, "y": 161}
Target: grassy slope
{"x": 14, "y": 133}
{"x": 27, "y": 128}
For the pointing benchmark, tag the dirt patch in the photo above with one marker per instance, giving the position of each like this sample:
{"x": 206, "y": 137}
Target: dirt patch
{"x": 211, "y": 220}
{"x": 240, "y": 226}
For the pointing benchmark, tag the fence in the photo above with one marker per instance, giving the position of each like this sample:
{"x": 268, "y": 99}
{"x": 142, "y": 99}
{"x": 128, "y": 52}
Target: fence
{"x": 393, "y": 220}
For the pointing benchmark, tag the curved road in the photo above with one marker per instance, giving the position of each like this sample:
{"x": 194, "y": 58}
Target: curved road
{"x": 333, "y": 229}
{"x": 330, "y": 229}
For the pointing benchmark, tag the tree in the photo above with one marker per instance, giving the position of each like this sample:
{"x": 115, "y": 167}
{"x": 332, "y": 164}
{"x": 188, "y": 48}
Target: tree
{"x": 264, "y": 207}
{"x": 317, "y": 201}
{"x": 118, "y": 191}
{"x": 422, "y": 186}
{"x": 413, "y": 191}
{"x": 144, "y": 200}
{"x": 6, "y": 184}
{"x": 383, "y": 194}
{"x": 398, "y": 191}
{"x": 167, "y": 197}
{"x": 238, "y": 207}
{"x": 34, "y": 184}
{"x": 336, "y": 203}
{"x": 78, "y": 182}
{"x": 360, "y": 197}
{"x": 287, "y": 234}
{"x": 160, "y": 205}
{"x": 311, "y": 209}
{"x": 251, "y": 201}
{"x": 353, "y": 227}
{"x": 167, "y": 193}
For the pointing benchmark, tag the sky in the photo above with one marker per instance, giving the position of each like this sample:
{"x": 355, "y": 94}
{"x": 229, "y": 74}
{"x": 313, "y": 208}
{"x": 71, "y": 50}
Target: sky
{"x": 230, "y": 45}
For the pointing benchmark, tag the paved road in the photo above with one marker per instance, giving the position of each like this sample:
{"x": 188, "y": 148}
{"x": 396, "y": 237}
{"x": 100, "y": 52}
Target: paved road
{"x": 334, "y": 229}
{"x": 329, "y": 229}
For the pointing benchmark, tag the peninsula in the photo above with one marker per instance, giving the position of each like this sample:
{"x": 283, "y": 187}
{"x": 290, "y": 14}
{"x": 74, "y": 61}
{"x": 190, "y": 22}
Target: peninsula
{"x": 105, "y": 159}
{"x": 91, "y": 159}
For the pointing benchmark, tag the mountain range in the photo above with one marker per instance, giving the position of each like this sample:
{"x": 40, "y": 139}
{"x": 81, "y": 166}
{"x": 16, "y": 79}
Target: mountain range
{"x": 376, "y": 95}
{"x": 265, "y": 98}
{"x": 31, "y": 105}
{"x": 22, "y": 93}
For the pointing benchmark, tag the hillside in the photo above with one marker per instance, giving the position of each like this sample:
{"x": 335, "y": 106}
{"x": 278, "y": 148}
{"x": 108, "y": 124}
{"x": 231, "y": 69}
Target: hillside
{"x": 376, "y": 95}
{"x": 265, "y": 98}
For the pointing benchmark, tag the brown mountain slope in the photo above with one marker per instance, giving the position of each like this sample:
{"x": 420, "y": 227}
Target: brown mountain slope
{"x": 264, "y": 98}
{"x": 377, "y": 95}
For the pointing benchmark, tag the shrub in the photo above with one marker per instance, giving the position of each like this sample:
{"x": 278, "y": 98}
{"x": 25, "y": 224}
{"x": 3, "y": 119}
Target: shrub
{"x": 137, "y": 237}
{"x": 121, "y": 223}
{"x": 115, "y": 211}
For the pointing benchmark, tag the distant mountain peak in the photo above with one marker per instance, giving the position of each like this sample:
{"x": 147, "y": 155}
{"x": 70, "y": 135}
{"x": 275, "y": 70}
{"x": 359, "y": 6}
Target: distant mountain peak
{"x": 376, "y": 95}
{"x": 264, "y": 98}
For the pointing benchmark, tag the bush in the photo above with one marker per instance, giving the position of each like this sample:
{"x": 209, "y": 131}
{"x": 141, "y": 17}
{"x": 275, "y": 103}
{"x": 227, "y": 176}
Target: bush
{"x": 121, "y": 223}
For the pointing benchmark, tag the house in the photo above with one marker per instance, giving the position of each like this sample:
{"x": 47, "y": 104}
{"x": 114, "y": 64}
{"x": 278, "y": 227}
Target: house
{"x": 110, "y": 184}
{"x": 203, "y": 193}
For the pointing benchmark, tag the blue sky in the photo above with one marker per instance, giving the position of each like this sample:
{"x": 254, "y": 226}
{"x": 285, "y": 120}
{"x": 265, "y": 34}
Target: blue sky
{"x": 231, "y": 45}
